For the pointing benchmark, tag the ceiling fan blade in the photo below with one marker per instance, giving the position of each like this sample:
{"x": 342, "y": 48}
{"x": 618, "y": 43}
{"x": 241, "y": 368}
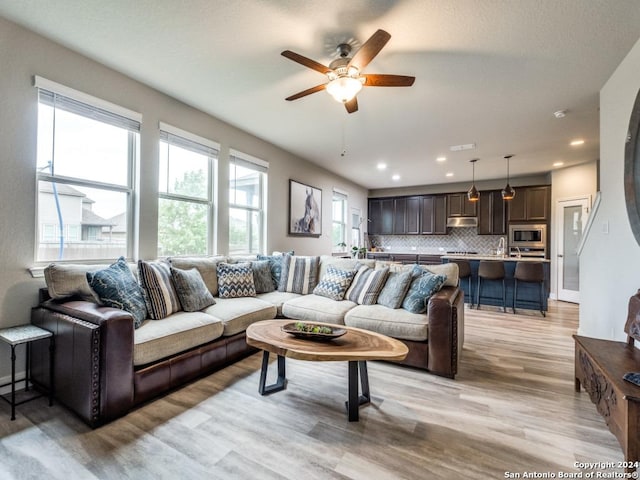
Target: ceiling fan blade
{"x": 369, "y": 50}
{"x": 381, "y": 80}
{"x": 306, "y": 92}
{"x": 307, "y": 62}
{"x": 352, "y": 105}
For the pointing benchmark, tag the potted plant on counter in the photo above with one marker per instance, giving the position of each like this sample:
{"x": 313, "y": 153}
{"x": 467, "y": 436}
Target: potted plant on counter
{"x": 358, "y": 252}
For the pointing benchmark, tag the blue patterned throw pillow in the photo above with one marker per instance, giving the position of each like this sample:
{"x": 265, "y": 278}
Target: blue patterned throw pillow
{"x": 275, "y": 262}
{"x": 262, "y": 278}
{"x": 235, "y": 280}
{"x": 116, "y": 287}
{"x": 334, "y": 283}
{"x": 421, "y": 289}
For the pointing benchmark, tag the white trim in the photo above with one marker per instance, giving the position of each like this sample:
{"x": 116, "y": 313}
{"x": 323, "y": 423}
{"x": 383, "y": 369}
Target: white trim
{"x": 249, "y": 158}
{"x": 590, "y": 219}
{"x": 341, "y": 192}
{"x": 165, "y": 127}
{"x": 43, "y": 83}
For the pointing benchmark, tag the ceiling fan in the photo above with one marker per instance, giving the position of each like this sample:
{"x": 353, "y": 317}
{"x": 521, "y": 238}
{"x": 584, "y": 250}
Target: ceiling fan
{"x": 345, "y": 79}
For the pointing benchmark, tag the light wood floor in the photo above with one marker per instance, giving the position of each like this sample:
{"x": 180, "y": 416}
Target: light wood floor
{"x": 512, "y": 408}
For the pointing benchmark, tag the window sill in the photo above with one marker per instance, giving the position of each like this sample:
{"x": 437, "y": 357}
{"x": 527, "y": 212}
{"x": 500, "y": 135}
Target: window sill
{"x": 37, "y": 272}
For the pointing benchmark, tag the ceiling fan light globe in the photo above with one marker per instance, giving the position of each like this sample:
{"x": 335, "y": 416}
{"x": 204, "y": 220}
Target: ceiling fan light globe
{"x": 343, "y": 89}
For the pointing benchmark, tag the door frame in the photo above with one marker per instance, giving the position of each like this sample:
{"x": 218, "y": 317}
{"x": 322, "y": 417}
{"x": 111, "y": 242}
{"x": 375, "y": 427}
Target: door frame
{"x": 560, "y": 203}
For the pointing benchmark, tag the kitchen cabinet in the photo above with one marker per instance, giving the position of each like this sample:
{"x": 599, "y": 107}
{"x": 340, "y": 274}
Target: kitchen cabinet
{"x": 404, "y": 258}
{"x": 434, "y": 215}
{"x": 406, "y": 216}
{"x": 458, "y": 205}
{"x": 492, "y": 219}
{"x": 429, "y": 259}
{"x": 530, "y": 204}
{"x": 381, "y": 215}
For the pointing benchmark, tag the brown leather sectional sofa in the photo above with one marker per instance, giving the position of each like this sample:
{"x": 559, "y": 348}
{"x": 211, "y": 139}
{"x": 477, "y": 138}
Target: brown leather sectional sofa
{"x": 96, "y": 377}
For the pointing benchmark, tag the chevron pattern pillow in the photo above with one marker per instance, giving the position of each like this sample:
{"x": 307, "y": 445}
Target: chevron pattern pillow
{"x": 366, "y": 285}
{"x": 235, "y": 280}
{"x": 334, "y": 283}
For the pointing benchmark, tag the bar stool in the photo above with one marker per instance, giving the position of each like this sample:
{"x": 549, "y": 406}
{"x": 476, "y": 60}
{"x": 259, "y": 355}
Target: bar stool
{"x": 491, "y": 270}
{"x": 529, "y": 272}
{"x": 464, "y": 271}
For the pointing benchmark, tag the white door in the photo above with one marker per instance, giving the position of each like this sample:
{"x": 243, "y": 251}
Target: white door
{"x": 571, "y": 220}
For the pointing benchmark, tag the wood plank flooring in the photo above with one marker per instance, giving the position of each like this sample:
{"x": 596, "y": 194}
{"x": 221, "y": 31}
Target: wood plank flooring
{"x": 512, "y": 408}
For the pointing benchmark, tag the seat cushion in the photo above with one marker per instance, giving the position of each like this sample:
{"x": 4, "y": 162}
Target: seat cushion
{"x": 315, "y": 308}
{"x": 398, "y": 323}
{"x": 238, "y": 313}
{"x": 277, "y": 299}
{"x": 157, "y": 339}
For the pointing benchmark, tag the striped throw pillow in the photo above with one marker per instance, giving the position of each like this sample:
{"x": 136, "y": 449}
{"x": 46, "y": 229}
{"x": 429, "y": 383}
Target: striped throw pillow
{"x": 299, "y": 274}
{"x": 159, "y": 293}
{"x": 366, "y": 285}
{"x": 334, "y": 283}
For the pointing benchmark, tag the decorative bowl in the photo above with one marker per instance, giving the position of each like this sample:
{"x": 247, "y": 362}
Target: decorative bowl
{"x": 291, "y": 329}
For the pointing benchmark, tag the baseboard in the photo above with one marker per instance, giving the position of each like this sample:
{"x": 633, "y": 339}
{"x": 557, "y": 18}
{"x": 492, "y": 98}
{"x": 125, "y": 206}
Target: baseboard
{"x": 553, "y": 296}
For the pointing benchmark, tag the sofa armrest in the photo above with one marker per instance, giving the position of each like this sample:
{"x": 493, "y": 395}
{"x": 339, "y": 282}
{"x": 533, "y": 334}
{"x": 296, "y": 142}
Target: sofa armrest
{"x": 446, "y": 330}
{"x": 93, "y": 360}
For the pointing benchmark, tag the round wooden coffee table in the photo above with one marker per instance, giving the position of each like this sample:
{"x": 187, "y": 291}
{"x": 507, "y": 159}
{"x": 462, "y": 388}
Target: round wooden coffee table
{"x": 356, "y": 347}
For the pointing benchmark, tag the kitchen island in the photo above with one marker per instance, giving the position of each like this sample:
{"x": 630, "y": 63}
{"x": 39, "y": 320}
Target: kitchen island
{"x": 528, "y": 293}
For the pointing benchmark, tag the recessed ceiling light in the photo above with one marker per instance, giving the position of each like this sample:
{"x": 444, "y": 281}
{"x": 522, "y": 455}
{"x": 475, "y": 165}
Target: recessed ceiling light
{"x": 560, "y": 114}
{"x": 441, "y": 159}
{"x": 449, "y": 174}
{"x": 466, "y": 146}
{"x": 558, "y": 164}
{"x": 576, "y": 142}
{"x": 396, "y": 177}
{"x": 382, "y": 166}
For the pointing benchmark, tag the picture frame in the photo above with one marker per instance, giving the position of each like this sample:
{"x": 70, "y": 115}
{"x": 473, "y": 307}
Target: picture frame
{"x": 305, "y": 210}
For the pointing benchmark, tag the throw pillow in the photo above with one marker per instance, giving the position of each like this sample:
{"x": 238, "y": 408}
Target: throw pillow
{"x": 275, "y": 261}
{"x": 235, "y": 280}
{"x": 421, "y": 289}
{"x": 192, "y": 291}
{"x": 299, "y": 274}
{"x": 160, "y": 294}
{"x": 366, "y": 285}
{"x": 116, "y": 287}
{"x": 395, "y": 289}
{"x": 262, "y": 276}
{"x": 334, "y": 283}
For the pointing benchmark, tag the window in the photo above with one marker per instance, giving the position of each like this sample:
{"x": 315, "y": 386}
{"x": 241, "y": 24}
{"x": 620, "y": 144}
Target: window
{"x": 185, "y": 209}
{"x": 247, "y": 203}
{"x": 87, "y": 149}
{"x": 339, "y": 219}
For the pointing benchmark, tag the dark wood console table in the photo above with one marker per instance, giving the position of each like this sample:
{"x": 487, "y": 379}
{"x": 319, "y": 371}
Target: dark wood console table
{"x": 599, "y": 367}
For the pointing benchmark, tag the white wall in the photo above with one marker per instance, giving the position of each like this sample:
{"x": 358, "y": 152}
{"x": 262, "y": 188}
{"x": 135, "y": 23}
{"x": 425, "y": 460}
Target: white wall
{"x": 24, "y": 54}
{"x": 610, "y": 262}
{"x": 568, "y": 183}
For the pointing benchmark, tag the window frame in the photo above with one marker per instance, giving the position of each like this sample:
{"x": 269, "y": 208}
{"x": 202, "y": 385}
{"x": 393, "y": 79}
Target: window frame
{"x": 344, "y": 199}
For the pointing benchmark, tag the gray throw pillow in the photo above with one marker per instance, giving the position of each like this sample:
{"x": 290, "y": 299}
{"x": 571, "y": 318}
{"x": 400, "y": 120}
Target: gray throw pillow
{"x": 394, "y": 291}
{"x": 192, "y": 291}
{"x": 262, "y": 276}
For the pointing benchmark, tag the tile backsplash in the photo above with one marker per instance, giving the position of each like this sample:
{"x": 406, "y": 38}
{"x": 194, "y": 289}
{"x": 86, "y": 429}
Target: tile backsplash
{"x": 459, "y": 239}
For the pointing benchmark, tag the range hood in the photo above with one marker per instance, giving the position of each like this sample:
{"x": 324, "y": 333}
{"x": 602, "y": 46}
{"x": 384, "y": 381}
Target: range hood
{"x": 462, "y": 222}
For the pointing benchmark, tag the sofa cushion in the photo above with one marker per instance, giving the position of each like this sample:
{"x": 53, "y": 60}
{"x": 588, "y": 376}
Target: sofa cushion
{"x": 342, "y": 263}
{"x": 116, "y": 287}
{"x": 205, "y": 265}
{"x": 68, "y": 280}
{"x": 315, "y": 308}
{"x": 397, "y": 323}
{"x": 299, "y": 274}
{"x": 277, "y": 299}
{"x": 262, "y": 276}
{"x": 157, "y": 339}
{"x": 395, "y": 289}
{"x": 449, "y": 269}
{"x": 159, "y": 292}
{"x": 366, "y": 285}
{"x": 334, "y": 283}
{"x": 238, "y": 313}
{"x": 192, "y": 291}
{"x": 235, "y": 280}
{"x": 422, "y": 287}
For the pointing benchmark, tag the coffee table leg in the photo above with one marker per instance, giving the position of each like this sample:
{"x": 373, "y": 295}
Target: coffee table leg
{"x": 355, "y": 400}
{"x": 281, "y": 382}
{"x": 364, "y": 382}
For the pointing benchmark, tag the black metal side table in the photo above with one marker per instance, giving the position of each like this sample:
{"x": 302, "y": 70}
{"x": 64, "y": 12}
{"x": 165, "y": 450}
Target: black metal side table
{"x": 25, "y": 334}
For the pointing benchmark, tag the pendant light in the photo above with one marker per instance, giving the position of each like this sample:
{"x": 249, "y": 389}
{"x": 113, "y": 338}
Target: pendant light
{"x": 508, "y": 192}
{"x": 473, "y": 194}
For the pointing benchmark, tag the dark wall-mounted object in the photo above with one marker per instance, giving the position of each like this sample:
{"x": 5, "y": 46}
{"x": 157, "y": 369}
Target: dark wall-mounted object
{"x": 632, "y": 170}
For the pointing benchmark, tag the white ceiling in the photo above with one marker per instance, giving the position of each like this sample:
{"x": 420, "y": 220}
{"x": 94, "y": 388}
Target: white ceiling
{"x": 489, "y": 72}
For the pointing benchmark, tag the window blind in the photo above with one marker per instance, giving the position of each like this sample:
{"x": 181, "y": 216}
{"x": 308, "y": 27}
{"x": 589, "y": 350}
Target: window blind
{"x": 246, "y": 161}
{"x": 187, "y": 144}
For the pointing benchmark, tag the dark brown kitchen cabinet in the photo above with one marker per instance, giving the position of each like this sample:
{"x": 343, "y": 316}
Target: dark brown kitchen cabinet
{"x": 530, "y": 204}
{"x": 399, "y": 213}
{"x": 429, "y": 259}
{"x": 434, "y": 215}
{"x": 404, "y": 258}
{"x": 458, "y": 205}
{"x": 406, "y": 216}
{"x": 492, "y": 219}
{"x": 381, "y": 215}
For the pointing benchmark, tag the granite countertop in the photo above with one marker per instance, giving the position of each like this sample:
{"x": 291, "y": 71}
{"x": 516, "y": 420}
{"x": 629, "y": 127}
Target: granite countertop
{"x": 496, "y": 257}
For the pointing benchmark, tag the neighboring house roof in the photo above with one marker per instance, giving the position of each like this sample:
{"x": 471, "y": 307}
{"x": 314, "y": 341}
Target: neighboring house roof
{"x": 91, "y": 219}
{"x": 119, "y": 223}
{"x": 63, "y": 189}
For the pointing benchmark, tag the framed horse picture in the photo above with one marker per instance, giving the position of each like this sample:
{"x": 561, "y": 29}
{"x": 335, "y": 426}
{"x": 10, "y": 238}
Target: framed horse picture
{"x": 305, "y": 210}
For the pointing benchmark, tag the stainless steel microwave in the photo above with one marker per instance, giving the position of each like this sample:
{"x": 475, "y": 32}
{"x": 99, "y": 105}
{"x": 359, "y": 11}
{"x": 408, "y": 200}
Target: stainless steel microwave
{"x": 524, "y": 235}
